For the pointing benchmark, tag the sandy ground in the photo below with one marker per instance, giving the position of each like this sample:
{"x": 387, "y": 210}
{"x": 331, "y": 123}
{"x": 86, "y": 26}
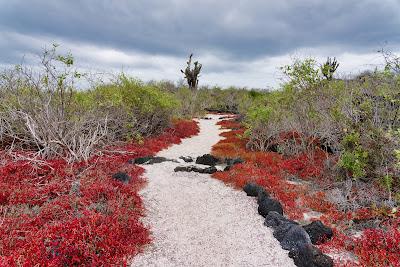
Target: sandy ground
{"x": 196, "y": 220}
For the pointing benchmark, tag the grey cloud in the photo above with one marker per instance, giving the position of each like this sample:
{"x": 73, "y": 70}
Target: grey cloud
{"x": 242, "y": 29}
{"x": 234, "y": 39}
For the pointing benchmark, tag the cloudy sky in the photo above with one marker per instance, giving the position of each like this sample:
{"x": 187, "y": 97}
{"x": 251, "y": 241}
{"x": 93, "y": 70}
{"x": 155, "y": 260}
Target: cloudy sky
{"x": 240, "y": 43}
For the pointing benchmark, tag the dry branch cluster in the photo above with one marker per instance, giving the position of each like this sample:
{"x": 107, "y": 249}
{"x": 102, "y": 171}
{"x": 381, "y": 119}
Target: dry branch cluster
{"x": 42, "y": 112}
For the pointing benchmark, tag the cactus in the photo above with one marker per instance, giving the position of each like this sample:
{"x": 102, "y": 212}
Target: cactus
{"x": 329, "y": 68}
{"x": 191, "y": 75}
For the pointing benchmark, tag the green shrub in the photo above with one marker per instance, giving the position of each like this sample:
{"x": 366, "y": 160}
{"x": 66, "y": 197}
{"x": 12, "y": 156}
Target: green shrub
{"x": 40, "y": 109}
{"x": 354, "y": 118}
{"x": 133, "y": 107}
{"x": 302, "y": 73}
{"x": 354, "y": 158}
{"x": 145, "y": 98}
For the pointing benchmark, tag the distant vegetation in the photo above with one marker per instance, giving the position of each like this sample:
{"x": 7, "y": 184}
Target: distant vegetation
{"x": 355, "y": 122}
{"x": 42, "y": 110}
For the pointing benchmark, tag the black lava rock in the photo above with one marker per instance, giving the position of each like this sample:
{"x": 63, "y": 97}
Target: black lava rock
{"x": 262, "y": 195}
{"x": 269, "y": 205}
{"x": 155, "y": 160}
{"x": 227, "y": 168}
{"x": 307, "y": 255}
{"x": 207, "y": 159}
{"x": 208, "y": 170}
{"x": 149, "y": 160}
{"x": 274, "y": 220}
{"x": 291, "y": 235}
{"x": 183, "y": 169}
{"x": 233, "y": 161}
{"x": 122, "y": 177}
{"x": 186, "y": 159}
{"x": 252, "y": 189}
{"x": 318, "y": 232}
{"x": 141, "y": 160}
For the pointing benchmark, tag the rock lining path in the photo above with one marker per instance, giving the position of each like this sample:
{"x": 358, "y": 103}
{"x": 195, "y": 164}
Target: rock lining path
{"x": 196, "y": 220}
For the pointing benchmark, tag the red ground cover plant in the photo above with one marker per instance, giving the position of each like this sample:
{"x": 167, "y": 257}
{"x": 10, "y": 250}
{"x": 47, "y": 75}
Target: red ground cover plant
{"x": 61, "y": 214}
{"x": 375, "y": 247}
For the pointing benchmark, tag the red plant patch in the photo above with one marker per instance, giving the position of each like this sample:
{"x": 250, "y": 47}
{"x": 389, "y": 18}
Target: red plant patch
{"x": 378, "y": 247}
{"x": 268, "y": 169}
{"x": 64, "y": 214}
{"x": 229, "y": 124}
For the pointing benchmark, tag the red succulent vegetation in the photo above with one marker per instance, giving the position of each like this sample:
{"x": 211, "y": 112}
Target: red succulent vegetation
{"x": 59, "y": 214}
{"x": 375, "y": 247}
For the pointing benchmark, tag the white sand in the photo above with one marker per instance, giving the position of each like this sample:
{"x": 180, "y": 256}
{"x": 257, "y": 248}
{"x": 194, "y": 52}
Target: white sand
{"x": 199, "y": 221}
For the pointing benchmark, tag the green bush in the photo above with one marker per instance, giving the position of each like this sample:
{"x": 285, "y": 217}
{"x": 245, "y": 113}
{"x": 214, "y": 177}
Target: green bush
{"x": 133, "y": 108}
{"x": 353, "y": 158}
{"x": 354, "y": 118}
{"x": 40, "y": 109}
{"x": 302, "y": 73}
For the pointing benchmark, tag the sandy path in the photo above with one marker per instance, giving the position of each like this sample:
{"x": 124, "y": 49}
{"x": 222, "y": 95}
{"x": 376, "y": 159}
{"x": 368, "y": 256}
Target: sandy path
{"x": 198, "y": 221}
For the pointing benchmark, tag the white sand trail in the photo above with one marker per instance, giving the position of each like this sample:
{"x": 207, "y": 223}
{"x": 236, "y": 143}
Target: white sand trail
{"x": 196, "y": 220}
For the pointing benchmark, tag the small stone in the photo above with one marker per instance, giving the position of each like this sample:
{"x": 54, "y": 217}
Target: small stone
{"x": 262, "y": 195}
{"x": 307, "y": 255}
{"x": 155, "y": 160}
{"x": 207, "y": 159}
{"x": 141, "y": 160}
{"x": 122, "y": 177}
{"x": 274, "y": 220}
{"x": 234, "y": 161}
{"x": 252, "y": 189}
{"x": 227, "y": 168}
{"x": 186, "y": 159}
{"x": 269, "y": 205}
{"x": 183, "y": 169}
{"x": 208, "y": 170}
{"x": 291, "y": 235}
{"x": 318, "y": 232}
{"x": 231, "y": 162}
{"x": 150, "y": 160}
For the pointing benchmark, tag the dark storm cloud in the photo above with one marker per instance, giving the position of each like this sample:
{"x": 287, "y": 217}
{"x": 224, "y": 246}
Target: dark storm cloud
{"x": 240, "y": 29}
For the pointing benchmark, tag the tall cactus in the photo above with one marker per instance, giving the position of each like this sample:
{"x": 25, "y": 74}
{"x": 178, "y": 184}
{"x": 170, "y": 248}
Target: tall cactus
{"x": 329, "y": 68}
{"x": 191, "y": 75}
